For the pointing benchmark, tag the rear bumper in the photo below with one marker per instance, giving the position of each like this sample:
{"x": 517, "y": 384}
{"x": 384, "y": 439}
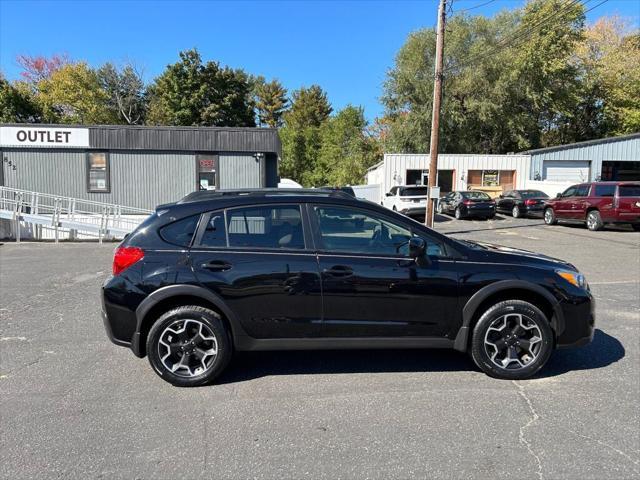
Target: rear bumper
{"x": 414, "y": 211}
{"x": 119, "y": 319}
{"x": 479, "y": 212}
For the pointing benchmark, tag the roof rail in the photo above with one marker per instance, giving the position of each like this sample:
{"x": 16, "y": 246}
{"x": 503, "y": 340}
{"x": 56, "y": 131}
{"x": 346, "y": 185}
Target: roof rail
{"x": 204, "y": 195}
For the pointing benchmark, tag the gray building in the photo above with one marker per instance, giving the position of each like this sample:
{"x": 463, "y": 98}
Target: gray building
{"x": 615, "y": 158}
{"x": 136, "y": 166}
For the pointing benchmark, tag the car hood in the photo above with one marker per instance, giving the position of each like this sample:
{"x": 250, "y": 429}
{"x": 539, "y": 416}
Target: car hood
{"x": 499, "y": 253}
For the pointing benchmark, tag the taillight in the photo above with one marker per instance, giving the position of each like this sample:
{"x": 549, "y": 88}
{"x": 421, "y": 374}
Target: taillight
{"x": 124, "y": 257}
{"x": 467, "y": 202}
{"x": 530, "y": 202}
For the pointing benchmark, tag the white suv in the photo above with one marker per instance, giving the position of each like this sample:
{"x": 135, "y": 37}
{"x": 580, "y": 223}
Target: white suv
{"x": 407, "y": 199}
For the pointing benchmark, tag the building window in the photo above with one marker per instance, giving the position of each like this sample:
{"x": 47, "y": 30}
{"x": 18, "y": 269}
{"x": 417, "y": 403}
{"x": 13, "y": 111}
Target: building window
{"x": 98, "y": 172}
{"x": 207, "y": 172}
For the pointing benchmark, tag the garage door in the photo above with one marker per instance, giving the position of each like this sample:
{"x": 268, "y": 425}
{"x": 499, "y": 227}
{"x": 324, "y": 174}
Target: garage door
{"x": 566, "y": 171}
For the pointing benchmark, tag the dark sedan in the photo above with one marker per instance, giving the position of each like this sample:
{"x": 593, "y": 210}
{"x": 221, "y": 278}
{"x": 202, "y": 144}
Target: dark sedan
{"x": 467, "y": 205}
{"x": 520, "y": 203}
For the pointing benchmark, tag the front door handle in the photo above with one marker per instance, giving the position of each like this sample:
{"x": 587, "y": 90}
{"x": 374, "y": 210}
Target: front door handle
{"x": 217, "y": 266}
{"x": 338, "y": 271}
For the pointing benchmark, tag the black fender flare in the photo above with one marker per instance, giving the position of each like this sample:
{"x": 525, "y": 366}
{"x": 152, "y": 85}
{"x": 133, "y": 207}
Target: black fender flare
{"x": 462, "y": 337}
{"x": 169, "y": 291}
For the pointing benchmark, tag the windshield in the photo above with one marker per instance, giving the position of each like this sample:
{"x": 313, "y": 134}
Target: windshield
{"x": 414, "y": 191}
{"x": 533, "y": 194}
{"x": 629, "y": 190}
{"x": 476, "y": 196}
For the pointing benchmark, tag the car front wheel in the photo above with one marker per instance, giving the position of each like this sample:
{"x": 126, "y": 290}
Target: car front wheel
{"x": 550, "y": 217}
{"x": 594, "y": 221}
{"x": 512, "y": 340}
{"x": 515, "y": 212}
{"x": 188, "y": 346}
{"x": 458, "y": 213}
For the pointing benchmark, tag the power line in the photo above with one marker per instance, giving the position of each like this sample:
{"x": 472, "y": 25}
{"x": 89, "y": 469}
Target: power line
{"x": 523, "y": 33}
{"x": 474, "y": 7}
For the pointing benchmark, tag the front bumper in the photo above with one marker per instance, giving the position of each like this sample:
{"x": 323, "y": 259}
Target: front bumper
{"x": 579, "y": 321}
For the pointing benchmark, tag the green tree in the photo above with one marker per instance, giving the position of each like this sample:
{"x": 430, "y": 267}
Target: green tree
{"x": 191, "y": 92}
{"x": 271, "y": 102}
{"x": 17, "y": 104}
{"x": 347, "y": 149}
{"x": 125, "y": 92}
{"x": 509, "y": 83}
{"x": 301, "y": 136}
{"x": 73, "y": 94}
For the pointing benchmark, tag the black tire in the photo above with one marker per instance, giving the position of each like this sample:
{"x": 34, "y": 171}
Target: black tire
{"x": 458, "y": 213}
{"x": 439, "y": 209}
{"x": 515, "y": 211}
{"x": 594, "y": 221}
{"x": 550, "y": 216}
{"x": 394, "y": 208}
{"x": 198, "y": 315}
{"x": 636, "y": 227}
{"x": 491, "y": 217}
{"x": 526, "y": 365}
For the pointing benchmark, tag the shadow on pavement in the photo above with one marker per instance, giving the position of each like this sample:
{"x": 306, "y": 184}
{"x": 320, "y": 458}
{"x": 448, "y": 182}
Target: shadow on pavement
{"x": 471, "y": 230}
{"x": 603, "y": 351}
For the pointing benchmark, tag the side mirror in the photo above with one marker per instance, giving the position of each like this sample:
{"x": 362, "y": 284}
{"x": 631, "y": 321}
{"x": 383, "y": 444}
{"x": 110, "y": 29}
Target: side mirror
{"x": 417, "y": 247}
{"x": 558, "y": 195}
{"x": 389, "y": 194}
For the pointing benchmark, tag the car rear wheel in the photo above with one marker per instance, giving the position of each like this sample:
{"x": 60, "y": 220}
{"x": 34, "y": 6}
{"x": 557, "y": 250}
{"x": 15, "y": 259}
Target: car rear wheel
{"x": 550, "y": 217}
{"x": 512, "y": 340}
{"x": 439, "y": 208}
{"x": 515, "y": 212}
{"x": 458, "y": 213}
{"x": 189, "y": 346}
{"x": 594, "y": 221}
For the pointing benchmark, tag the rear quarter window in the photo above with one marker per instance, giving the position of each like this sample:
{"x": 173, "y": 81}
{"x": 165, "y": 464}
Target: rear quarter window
{"x": 180, "y": 232}
{"x": 629, "y": 190}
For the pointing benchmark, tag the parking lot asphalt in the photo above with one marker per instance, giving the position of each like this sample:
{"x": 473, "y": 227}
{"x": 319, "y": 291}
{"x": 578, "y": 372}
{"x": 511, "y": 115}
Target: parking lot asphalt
{"x": 72, "y": 405}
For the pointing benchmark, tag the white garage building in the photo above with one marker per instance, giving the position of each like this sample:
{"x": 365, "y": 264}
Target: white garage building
{"x": 455, "y": 172}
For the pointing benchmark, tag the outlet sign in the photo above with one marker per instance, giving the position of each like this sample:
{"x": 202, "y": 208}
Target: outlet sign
{"x": 35, "y": 136}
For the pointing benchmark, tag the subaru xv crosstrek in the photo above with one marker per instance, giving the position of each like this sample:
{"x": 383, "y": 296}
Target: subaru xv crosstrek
{"x": 311, "y": 269}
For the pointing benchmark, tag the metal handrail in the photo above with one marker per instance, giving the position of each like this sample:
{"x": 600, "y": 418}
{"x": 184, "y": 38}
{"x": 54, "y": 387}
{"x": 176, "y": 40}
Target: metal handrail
{"x": 68, "y": 213}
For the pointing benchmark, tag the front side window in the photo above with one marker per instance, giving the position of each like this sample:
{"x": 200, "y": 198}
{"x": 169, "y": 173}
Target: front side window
{"x": 582, "y": 191}
{"x": 276, "y": 226}
{"x": 98, "y": 172}
{"x": 570, "y": 192}
{"x": 354, "y": 231}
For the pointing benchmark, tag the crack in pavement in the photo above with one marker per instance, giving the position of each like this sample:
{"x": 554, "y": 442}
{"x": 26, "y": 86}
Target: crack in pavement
{"x": 534, "y": 418}
{"x": 610, "y": 447}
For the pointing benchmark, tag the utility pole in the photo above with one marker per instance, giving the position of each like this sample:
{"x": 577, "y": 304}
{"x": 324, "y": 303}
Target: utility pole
{"x": 435, "y": 118}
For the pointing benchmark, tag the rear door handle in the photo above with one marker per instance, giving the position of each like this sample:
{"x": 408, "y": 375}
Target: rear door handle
{"x": 217, "y": 266}
{"x": 338, "y": 271}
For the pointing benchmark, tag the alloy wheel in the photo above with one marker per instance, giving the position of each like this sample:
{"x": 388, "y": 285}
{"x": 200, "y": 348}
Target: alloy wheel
{"x": 592, "y": 221}
{"x": 515, "y": 212}
{"x": 513, "y": 341}
{"x": 187, "y": 348}
{"x": 548, "y": 216}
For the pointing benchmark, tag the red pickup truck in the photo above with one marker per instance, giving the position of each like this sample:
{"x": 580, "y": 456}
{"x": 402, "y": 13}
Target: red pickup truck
{"x": 596, "y": 204}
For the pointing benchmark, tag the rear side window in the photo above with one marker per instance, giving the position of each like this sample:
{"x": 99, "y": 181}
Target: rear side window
{"x": 629, "y": 190}
{"x": 605, "y": 190}
{"x": 214, "y": 234}
{"x": 277, "y": 226}
{"x": 181, "y": 232}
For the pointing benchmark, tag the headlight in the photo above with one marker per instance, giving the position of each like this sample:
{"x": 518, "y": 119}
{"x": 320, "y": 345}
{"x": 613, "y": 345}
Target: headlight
{"x": 575, "y": 278}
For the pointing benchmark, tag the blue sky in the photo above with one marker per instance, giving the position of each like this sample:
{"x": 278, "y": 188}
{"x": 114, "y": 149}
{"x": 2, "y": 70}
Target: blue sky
{"x": 344, "y": 46}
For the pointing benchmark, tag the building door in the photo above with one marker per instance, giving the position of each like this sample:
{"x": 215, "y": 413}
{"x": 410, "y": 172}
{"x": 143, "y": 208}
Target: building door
{"x": 566, "y": 170}
{"x": 620, "y": 171}
{"x": 445, "y": 180}
{"x": 417, "y": 177}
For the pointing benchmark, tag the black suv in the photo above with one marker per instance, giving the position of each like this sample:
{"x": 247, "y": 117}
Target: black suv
{"x": 295, "y": 269}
